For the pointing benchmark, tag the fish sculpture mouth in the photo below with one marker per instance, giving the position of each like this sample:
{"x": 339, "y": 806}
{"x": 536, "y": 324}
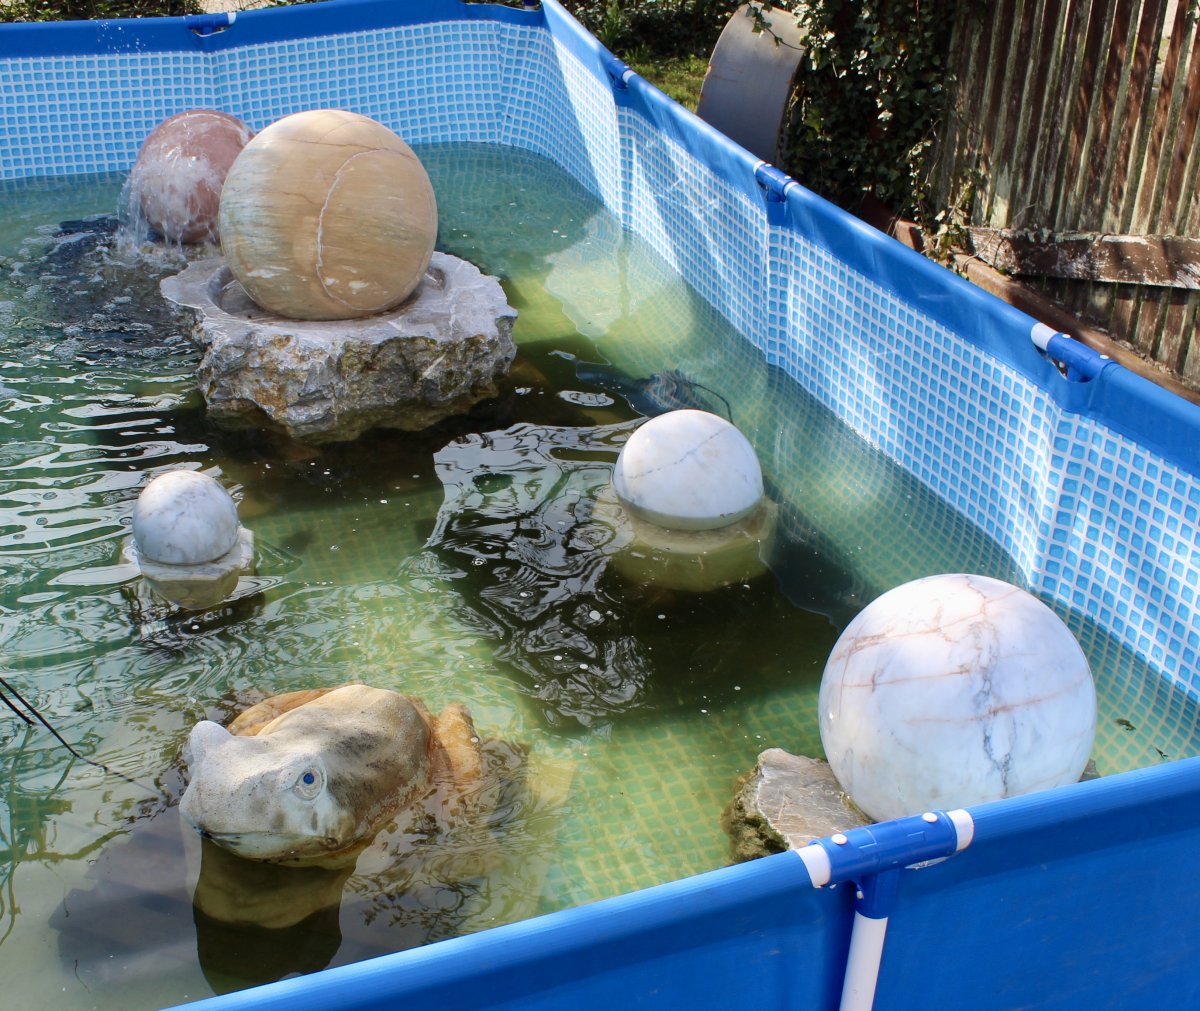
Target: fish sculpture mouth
{"x": 275, "y": 847}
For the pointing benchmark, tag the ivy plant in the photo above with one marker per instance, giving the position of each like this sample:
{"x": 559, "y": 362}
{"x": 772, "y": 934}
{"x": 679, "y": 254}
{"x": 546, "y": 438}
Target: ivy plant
{"x": 870, "y": 92}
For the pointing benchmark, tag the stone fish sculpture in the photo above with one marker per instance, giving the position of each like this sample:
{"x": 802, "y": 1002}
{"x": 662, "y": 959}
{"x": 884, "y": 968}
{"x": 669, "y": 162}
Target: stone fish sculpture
{"x": 308, "y": 778}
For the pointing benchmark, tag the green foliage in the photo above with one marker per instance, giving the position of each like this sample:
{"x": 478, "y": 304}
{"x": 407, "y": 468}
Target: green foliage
{"x": 680, "y": 77}
{"x": 655, "y": 28}
{"x": 88, "y": 10}
{"x": 871, "y": 91}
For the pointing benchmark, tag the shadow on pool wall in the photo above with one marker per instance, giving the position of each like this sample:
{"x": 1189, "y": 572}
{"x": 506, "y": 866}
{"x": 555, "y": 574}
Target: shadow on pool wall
{"x": 1088, "y": 480}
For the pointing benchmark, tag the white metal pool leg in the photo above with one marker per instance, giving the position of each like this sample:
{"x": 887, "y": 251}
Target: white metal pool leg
{"x": 872, "y": 857}
{"x": 867, "y": 947}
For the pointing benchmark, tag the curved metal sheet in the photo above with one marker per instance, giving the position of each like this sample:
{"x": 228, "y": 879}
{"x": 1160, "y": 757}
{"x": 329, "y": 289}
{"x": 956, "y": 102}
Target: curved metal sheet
{"x": 749, "y": 80}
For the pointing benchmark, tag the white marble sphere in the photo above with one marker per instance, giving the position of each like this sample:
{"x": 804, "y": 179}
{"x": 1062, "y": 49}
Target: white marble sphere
{"x": 688, "y": 470}
{"x": 328, "y": 215}
{"x": 184, "y": 517}
{"x": 954, "y": 690}
{"x": 177, "y": 178}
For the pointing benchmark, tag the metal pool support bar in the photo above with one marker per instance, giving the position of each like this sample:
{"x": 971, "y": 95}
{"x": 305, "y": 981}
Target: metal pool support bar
{"x": 871, "y": 858}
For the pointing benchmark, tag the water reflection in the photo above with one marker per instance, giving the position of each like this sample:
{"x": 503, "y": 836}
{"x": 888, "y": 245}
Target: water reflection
{"x": 27, "y": 832}
{"x": 234, "y": 956}
{"x": 158, "y": 891}
{"x": 519, "y": 539}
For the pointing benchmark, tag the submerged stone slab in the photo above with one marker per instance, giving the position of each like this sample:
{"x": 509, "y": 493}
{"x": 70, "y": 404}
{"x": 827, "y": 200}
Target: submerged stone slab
{"x": 434, "y": 356}
{"x": 785, "y": 803}
{"x": 695, "y": 561}
{"x": 201, "y": 585}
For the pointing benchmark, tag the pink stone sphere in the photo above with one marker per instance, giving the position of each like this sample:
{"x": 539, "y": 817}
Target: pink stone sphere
{"x": 180, "y": 170}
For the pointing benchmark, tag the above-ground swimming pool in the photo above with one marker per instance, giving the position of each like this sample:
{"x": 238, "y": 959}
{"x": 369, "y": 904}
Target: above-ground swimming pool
{"x": 906, "y": 423}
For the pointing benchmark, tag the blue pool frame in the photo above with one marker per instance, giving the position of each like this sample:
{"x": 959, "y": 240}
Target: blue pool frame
{"x": 1087, "y": 474}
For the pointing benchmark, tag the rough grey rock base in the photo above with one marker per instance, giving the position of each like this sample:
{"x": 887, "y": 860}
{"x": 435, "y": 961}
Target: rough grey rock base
{"x": 433, "y": 357}
{"x": 785, "y": 803}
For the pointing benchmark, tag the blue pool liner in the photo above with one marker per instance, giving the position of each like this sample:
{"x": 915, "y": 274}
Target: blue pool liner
{"x": 1061, "y": 900}
{"x": 1088, "y": 474}
{"x": 215, "y": 32}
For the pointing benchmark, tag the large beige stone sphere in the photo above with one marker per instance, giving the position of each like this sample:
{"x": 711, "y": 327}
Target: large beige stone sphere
{"x": 328, "y": 215}
{"x": 176, "y": 180}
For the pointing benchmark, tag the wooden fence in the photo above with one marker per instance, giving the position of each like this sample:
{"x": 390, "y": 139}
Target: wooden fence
{"x": 1073, "y": 147}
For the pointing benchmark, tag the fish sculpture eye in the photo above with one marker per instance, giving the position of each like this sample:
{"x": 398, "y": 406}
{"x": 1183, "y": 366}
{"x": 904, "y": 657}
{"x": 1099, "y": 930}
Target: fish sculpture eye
{"x": 308, "y": 783}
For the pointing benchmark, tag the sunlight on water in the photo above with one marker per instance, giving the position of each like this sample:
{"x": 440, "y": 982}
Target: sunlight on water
{"x": 460, "y": 564}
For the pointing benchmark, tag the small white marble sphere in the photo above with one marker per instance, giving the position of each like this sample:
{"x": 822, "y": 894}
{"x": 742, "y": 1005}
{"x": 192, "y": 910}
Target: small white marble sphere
{"x": 688, "y": 470}
{"x": 184, "y": 517}
{"x": 955, "y": 690}
{"x": 326, "y": 215}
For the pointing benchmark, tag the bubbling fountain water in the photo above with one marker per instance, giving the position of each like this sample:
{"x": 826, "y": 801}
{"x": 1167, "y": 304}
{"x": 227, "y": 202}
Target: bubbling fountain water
{"x": 177, "y": 179}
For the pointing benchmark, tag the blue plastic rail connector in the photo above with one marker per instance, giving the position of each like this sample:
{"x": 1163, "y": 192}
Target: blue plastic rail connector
{"x": 860, "y": 853}
{"x": 1081, "y": 363}
{"x": 619, "y": 71}
{"x": 877, "y": 894}
{"x": 775, "y": 181}
{"x": 872, "y": 857}
{"x": 209, "y": 24}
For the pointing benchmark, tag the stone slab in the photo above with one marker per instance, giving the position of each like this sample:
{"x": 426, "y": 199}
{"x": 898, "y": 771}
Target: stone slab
{"x": 784, "y": 803}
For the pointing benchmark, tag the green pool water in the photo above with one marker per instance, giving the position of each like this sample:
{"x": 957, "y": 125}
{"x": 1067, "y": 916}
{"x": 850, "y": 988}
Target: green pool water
{"x": 459, "y": 564}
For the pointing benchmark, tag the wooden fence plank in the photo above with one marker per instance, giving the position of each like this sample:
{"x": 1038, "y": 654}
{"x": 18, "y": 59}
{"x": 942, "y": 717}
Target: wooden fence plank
{"x": 1191, "y": 362}
{"x": 1166, "y": 261}
{"x": 1172, "y": 343}
{"x": 1092, "y": 112}
{"x": 1152, "y": 182}
{"x": 1146, "y": 55}
{"x": 1047, "y": 135}
{"x": 1007, "y": 190}
{"x": 1123, "y": 310}
{"x": 1107, "y": 118}
{"x": 957, "y": 147}
{"x": 1004, "y": 96}
{"x": 1177, "y": 198}
{"x": 1063, "y": 128}
{"x": 1084, "y": 116}
{"x": 1149, "y": 333}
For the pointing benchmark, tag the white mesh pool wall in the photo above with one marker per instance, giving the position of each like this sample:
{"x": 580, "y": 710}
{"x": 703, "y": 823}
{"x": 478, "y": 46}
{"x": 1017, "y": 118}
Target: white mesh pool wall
{"x": 1056, "y": 472}
{"x": 430, "y": 82}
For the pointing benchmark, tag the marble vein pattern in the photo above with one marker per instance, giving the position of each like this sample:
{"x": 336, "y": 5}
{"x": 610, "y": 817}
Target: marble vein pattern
{"x": 954, "y": 690}
{"x": 184, "y": 517}
{"x": 688, "y": 470}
